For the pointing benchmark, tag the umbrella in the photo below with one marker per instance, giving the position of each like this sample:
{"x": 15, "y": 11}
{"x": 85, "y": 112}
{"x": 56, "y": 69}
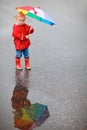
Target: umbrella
{"x": 31, "y": 117}
{"x": 38, "y": 112}
{"x": 36, "y": 13}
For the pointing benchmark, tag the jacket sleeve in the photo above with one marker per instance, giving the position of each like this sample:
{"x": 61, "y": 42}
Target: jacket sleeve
{"x": 17, "y": 34}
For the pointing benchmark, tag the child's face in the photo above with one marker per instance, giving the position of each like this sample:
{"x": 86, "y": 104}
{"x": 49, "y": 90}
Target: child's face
{"x": 20, "y": 20}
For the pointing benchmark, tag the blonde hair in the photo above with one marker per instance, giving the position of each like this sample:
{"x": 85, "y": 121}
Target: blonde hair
{"x": 20, "y": 14}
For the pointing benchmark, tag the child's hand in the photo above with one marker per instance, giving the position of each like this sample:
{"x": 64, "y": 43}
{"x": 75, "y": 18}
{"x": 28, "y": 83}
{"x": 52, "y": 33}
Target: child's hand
{"x": 31, "y": 29}
{"x": 27, "y": 36}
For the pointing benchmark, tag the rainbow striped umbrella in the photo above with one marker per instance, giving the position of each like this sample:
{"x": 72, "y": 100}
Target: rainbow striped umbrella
{"x": 31, "y": 117}
{"x": 36, "y": 13}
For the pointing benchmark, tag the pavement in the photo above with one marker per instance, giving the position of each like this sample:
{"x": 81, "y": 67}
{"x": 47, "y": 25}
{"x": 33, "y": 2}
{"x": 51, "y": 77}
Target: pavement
{"x": 58, "y": 54}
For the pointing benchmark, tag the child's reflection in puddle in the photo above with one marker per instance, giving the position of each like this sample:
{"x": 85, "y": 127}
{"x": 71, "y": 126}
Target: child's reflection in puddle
{"x": 26, "y": 115}
{"x": 20, "y": 102}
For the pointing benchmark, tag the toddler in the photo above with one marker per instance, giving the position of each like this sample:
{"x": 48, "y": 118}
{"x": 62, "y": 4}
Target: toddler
{"x": 21, "y": 32}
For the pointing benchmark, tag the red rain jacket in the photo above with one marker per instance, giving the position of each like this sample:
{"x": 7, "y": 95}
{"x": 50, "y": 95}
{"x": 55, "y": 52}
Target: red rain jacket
{"x": 19, "y": 33}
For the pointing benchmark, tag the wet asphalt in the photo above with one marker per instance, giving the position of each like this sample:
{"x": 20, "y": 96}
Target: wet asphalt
{"x": 58, "y": 55}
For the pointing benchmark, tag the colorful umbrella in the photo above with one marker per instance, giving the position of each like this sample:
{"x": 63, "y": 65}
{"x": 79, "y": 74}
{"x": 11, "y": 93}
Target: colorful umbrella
{"x": 38, "y": 113}
{"x": 31, "y": 117}
{"x": 37, "y": 14}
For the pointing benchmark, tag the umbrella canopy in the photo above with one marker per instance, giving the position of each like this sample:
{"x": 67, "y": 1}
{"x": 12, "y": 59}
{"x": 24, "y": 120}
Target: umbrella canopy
{"x": 32, "y": 116}
{"x": 36, "y": 13}
{"x": 37, "y": 111}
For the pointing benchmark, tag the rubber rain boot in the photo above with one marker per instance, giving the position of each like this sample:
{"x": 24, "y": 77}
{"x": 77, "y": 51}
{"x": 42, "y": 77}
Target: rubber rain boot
{"x": 18, "y": 64}
{"x": 27, "y": 64}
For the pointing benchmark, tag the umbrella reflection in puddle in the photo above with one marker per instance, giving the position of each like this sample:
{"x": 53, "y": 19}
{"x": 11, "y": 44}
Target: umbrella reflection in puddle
{"x": 26, "y": 115}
